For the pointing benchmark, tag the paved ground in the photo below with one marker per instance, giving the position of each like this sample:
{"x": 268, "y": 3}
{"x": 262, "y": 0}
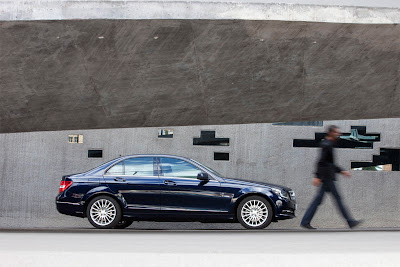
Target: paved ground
{"x": 199, "y": 248}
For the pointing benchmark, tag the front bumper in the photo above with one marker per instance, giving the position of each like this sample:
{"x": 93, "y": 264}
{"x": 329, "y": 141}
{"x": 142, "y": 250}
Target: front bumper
{"x": 286, "y": 209}
{"x": 286, "y": 214}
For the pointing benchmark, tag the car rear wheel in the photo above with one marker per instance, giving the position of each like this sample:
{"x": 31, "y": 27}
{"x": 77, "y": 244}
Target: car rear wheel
{"x": 104, "y": 212}
{"x": 254, "y": 212}
{"x": 123, "y": 224}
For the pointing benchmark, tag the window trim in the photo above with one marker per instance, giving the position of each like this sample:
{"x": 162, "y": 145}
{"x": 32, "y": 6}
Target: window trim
{"x": 156, "y": 159}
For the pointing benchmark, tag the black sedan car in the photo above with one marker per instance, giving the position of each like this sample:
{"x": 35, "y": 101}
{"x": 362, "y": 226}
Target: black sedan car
{"x": 169, "y": 188}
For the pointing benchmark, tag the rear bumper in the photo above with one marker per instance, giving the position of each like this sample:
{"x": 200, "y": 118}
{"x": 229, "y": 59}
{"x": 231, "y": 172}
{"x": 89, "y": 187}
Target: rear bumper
{"x": 70, "y": 208}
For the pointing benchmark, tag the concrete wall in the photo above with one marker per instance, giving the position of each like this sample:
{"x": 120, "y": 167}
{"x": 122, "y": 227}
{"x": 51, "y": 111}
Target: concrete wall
{"x": 176, "y": 70}
{"x": 352, "y": 11}
{"x": 32, "y": 165}
{"x": 96, "y": 74}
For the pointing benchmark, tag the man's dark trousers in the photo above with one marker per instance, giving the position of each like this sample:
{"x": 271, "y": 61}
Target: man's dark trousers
{"x": 327, "y": 186}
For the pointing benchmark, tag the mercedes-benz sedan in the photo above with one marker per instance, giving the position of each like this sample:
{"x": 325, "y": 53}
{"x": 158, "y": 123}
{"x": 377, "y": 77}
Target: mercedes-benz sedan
{"x": 169, "y": 188}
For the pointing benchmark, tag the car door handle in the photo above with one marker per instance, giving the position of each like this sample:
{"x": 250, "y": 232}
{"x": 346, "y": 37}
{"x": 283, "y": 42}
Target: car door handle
{"x": 166, "y": 182}
{"x": 119, "y": 179}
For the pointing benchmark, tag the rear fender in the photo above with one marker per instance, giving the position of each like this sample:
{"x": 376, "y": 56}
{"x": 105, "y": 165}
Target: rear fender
{"x": 102, "y": 190}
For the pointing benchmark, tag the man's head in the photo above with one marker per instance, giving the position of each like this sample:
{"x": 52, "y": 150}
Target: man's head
{"x": 333, "y": 132}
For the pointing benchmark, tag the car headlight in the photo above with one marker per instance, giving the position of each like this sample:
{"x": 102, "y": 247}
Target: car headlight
{"x": 281, "y": 193}
{"x": 292, "y": 195}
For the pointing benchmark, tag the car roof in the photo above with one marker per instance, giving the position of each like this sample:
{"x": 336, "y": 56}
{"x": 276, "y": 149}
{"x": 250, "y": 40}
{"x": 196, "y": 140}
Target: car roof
{"x": 152, "y": 155}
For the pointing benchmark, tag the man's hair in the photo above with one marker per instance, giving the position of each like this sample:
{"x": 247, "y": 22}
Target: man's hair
{"x": 331, "y": 128}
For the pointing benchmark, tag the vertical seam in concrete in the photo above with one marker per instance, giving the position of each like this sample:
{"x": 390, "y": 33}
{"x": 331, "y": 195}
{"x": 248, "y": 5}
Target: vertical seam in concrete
{"x": 303, "y": 82}
{"x": 395, "y": 89}
{"x": 202, "y": 86}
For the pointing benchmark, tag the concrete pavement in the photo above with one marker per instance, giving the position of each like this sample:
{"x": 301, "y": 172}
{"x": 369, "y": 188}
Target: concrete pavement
{"x": 200, "y": 248}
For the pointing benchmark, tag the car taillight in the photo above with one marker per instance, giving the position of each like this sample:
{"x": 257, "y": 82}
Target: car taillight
{"x": 64, "y": 185}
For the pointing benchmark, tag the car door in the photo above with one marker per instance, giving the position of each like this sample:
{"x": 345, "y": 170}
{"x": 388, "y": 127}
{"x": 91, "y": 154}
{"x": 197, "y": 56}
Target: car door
{"x": 183, "y": 194}
{"x": 136, "y": 179}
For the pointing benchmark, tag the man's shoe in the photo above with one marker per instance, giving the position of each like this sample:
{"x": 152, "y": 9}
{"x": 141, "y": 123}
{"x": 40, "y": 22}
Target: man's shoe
{"x": 307, "y": 226}
{"x": 355, "y": 223}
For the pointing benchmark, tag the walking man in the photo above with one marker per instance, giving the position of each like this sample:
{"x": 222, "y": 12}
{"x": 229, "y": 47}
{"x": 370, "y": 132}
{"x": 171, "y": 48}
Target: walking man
{"x": 325, "y": 179}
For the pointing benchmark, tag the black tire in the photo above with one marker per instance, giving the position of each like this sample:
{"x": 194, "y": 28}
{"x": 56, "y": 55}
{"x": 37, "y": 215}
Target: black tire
{"x": 254, "y": 212}
{"x": 104, "y": 212}
{"x": 124, "y": 223}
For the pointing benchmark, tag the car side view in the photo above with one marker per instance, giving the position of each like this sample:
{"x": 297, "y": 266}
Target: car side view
{"x": 169, "y": 188}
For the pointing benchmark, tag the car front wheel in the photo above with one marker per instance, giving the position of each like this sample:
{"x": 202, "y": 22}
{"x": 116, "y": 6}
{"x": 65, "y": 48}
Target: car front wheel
{"x": 104, "y": 212}
{"x": 254, "y": 212}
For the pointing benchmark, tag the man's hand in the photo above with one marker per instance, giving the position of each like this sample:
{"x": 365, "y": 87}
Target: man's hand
{"x": 316, "y": 182}
{"x": 346, "y": 173}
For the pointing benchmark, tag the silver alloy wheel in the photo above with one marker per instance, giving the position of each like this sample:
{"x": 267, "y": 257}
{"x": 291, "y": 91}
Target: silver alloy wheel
{"x": 103, "y": 212}
{"x": 254, "y": 213}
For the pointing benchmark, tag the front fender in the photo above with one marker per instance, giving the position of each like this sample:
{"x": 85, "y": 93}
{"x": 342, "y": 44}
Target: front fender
{"x": 249, "y": 191}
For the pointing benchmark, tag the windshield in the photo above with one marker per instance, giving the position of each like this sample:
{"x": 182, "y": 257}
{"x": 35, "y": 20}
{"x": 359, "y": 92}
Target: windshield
{"x": 208, "y": 169}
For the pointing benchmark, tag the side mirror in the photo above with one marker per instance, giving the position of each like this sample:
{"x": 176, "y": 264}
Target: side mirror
{"x": 202, "y": 176}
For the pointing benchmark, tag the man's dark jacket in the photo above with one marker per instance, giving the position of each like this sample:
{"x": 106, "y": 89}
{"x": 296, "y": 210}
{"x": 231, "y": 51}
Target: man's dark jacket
{"x": 326, "y": 168}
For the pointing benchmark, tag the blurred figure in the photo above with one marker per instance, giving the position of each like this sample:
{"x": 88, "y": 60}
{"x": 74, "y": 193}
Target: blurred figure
{"x": 325, "y": 179}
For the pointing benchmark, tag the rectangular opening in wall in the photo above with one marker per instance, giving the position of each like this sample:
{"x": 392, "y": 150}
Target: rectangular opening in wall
{"x": 357, "y": 138}
{"x": 165, "y": 133}
{"x": 387, "y": 160}
{"x": 75, "y": 138}
{"x": 95, "y": 153}
{"x": 221, "y": 156}
{"x": 301, "y": 123}
{"x": 207, "y": 138}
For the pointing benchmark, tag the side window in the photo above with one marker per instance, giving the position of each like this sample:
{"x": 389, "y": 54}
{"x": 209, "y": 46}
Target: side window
{"x": 171, "y": 167}
{"x": 139, "y": 166}
{"x": 133, "y": 167}
{"x": 117, "y": 169}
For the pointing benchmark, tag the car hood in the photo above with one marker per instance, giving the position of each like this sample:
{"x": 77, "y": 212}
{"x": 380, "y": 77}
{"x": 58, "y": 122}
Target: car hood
{"x": 255, "y": 183}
